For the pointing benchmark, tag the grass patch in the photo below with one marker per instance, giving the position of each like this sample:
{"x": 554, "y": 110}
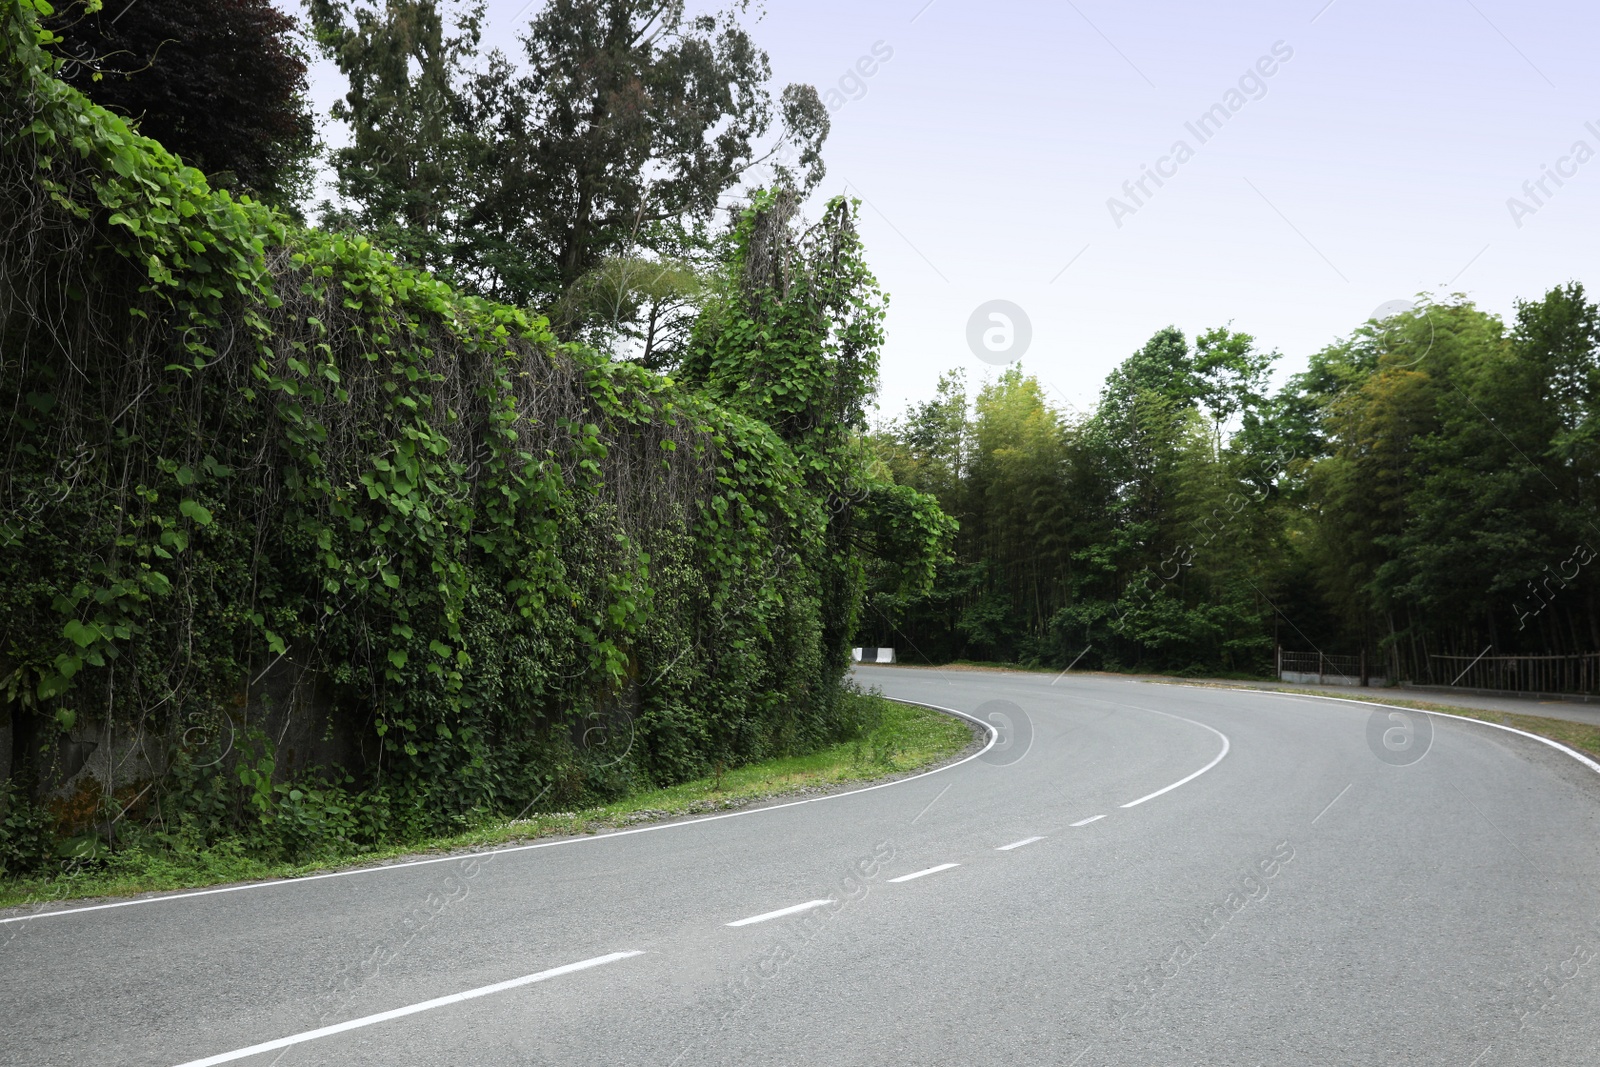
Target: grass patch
{"x": 900, "y": 739}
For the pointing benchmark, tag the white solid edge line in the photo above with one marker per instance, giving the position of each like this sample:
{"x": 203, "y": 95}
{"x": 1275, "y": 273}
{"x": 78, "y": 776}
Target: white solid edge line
{"x": 1181, "y": 781}
{"x": 930, "y": 870}
{"x": 1090, "y": 819}
{"x": 1019, "y": 844}
{"x": 781, "y": 912}
{"x": 410, "y": 1009}
{"x": 994, "y": 736}
{"x": 1574, "y": 753}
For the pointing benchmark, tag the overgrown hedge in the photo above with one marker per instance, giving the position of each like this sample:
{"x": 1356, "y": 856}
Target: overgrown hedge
{"x": 232, "y": 445}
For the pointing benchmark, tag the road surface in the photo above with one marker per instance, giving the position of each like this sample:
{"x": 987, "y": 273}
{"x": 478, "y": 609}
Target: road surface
{"x": 1132, "y": 874}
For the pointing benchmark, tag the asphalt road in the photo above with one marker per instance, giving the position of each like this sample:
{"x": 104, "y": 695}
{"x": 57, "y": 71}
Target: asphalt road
{"x": 1571, "y": 710}
{"x": 1195, "y": 876}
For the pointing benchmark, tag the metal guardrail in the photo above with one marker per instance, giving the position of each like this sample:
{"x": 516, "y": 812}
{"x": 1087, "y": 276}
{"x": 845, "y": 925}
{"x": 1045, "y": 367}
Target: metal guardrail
{"x": 1319, "y": 668}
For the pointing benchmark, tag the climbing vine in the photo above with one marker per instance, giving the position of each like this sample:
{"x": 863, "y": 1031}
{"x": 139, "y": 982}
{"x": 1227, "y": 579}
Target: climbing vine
{"x": 792, "y": 337}
{"x": 262, "y": 483}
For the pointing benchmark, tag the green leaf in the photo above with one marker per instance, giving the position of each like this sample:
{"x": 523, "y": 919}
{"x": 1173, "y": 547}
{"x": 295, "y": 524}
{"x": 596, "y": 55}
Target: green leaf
{"x": 398, "y": 657}
{"x": 193, "y": 510}
{"x": 81, "y": 635}
{"x": 67, "y": 666}
{"x": 52, "y": 685}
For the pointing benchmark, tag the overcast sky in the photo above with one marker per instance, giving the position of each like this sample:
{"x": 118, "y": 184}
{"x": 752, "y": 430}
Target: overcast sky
{"x": 1374, "y": 162}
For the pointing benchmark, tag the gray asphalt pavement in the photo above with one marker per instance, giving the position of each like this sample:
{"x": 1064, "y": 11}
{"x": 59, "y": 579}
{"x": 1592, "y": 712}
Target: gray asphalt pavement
{"x": 1134, "y": 874}
{"x": 1571, "y": 710}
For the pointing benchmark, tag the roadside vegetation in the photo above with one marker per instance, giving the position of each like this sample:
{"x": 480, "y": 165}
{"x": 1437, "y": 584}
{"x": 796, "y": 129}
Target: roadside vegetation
{"x": 895, "y": 739}
{"x": 352, "y": 534}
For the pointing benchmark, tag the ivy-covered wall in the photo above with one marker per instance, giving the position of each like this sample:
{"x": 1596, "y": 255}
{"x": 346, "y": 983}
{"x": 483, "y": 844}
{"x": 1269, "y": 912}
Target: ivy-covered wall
{"x": 248, "y": 468}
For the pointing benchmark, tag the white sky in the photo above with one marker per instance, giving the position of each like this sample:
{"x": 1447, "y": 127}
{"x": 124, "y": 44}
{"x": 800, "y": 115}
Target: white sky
{"x": 1378, "y": 164}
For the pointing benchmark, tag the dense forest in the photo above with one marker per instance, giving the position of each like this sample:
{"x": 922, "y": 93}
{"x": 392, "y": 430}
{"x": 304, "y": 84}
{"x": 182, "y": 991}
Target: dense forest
{"x": 1426, "y": 488}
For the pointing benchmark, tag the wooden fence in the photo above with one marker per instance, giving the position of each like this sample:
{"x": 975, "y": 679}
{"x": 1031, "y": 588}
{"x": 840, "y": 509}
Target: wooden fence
{"x": 1518, "y": 674}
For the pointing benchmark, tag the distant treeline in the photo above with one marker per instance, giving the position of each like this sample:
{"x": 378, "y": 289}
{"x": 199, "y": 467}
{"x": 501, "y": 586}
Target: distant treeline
{"x": 1428, "y": 486}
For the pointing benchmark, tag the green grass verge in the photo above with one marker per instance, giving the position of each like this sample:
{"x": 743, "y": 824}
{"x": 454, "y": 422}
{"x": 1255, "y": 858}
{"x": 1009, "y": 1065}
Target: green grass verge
{"x": 904, "y": 739}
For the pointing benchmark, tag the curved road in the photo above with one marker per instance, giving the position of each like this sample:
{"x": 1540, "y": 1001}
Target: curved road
{"x": 1132, "y": 873}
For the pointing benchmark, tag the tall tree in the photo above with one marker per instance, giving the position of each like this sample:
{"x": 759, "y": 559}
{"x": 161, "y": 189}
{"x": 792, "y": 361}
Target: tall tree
{"x": 790, "y": 335}
{"x": 630, "y": 116}
{"x": 411, "y": 173}
{"x": 609, "y": 146}
{"x": 929, "y": 447}
{"x": 221, "y": 83}
{"x": 1017, "y": 495}
{"x": 1560, "y": 336}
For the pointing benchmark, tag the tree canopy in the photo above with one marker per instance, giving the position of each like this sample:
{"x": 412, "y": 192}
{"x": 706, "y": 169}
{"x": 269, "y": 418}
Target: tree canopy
{"x": 1426, "y": 487}
{"x": 552, "y": 180}
{"x": 222, "y": 83}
